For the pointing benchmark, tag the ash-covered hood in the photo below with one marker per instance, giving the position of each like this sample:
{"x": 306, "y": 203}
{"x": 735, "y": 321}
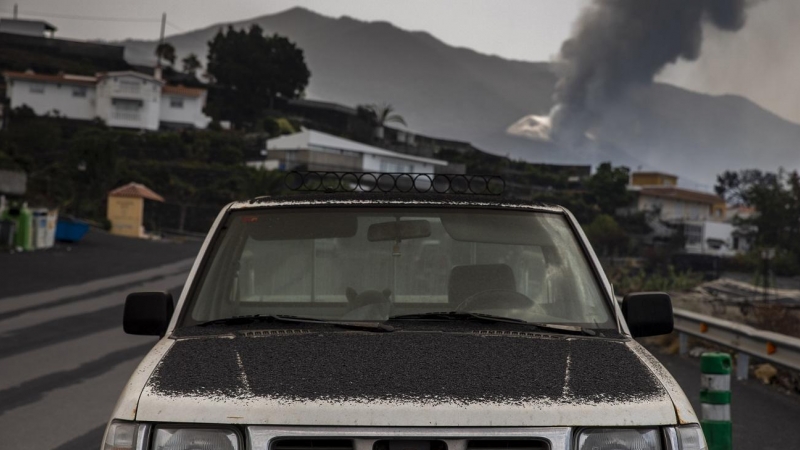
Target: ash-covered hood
{"x": 405, "y": 379}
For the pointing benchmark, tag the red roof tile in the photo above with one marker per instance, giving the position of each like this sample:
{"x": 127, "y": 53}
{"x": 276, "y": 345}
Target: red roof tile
{"x": 60, "y": 78}
{"x": 183, "y": 90}
{"x": 136, "y": 190}
{"x": 681, "y": 194}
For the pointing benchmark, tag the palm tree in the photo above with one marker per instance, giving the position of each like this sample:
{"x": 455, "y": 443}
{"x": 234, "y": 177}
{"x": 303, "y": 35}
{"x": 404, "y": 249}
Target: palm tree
{"x": 383, "y": 114}
{"x": 165, "y": 51}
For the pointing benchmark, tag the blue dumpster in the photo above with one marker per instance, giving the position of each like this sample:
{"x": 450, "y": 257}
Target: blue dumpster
{"x": 70, "y": 230}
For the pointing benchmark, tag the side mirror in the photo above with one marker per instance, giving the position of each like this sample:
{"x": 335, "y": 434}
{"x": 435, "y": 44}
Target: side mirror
{"x": 147, "y": 313}
{"x": 648, "y": 313}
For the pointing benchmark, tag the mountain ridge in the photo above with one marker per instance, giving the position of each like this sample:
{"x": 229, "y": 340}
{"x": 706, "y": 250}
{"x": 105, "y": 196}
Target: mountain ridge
{"x": 459, "y": 93}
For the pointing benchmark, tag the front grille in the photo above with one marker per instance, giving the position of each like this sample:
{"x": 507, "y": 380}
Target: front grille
{"x": 263, "y": 333}
{"x": 313, "y": 444}
{"x": 399, "y": 444}
{"x": 411, "y": 438}
{"x": 507, "y": 444}
{"x": 508, "y": 333}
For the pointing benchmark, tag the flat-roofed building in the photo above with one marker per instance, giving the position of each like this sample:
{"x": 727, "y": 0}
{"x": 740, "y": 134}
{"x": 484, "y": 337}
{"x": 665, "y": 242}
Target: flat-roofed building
{"x": 311, "y": 150}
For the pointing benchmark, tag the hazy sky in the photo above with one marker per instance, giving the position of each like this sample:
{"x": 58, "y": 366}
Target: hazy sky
{"x": 519, "y": 29}
{"x": 760, "y": 62}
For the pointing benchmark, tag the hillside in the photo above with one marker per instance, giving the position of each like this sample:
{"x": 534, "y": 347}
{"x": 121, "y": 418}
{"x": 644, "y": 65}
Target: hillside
{"x": 461, "y": 94}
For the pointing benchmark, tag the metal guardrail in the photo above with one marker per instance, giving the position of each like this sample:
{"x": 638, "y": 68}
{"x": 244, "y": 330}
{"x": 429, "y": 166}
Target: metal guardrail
{"x": 775, "y": 348}
{"x": 772, "y": 347}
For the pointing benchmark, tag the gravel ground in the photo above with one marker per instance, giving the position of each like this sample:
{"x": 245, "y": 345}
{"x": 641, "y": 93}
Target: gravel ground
{"x": 98, "y": 255}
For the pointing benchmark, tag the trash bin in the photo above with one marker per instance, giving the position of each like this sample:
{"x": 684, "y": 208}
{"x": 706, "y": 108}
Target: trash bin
{"x": 23, "y": 220}
{"x": 39, "y": 233}
{"x": 44, "y": 227}
{"x": 7, "y": 230}
{"x": 70, "y": 229}
{"x": 52, "y": 222}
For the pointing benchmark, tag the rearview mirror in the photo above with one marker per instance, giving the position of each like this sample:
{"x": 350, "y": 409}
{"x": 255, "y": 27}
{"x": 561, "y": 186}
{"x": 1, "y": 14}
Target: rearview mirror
{"x": 399, "y": 230}
{"x": 147, "y": 313}
{"x": 648, "y": 313}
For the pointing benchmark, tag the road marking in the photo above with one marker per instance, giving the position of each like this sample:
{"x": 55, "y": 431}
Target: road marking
{"x": 91, "y": 304}
{"x": 42, "y": 298}
{"x": 66, "y": 413}
{"x": 34, "y": 389}
{"x": 62, "y": 356}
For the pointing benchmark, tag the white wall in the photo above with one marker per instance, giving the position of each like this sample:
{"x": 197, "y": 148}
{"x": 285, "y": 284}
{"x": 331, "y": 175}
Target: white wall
{"x": 54, "y": 97}
{"x": 191, "y": 111}
{"x": 672, "y": 209}
{"x": 712, "y": 232}
{"x": 126, "y": 101}
{"x": 378, "y": 163}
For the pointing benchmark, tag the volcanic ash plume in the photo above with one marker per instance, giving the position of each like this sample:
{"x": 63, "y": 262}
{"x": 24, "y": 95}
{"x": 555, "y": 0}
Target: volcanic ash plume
{"x": 619, "y": 43}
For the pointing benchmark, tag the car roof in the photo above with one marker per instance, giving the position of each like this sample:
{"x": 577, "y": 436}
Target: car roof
{"x": 391, "y": 199}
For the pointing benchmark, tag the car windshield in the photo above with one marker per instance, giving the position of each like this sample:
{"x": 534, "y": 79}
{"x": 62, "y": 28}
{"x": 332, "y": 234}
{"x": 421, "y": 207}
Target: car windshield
{"x": 377, "y": 264}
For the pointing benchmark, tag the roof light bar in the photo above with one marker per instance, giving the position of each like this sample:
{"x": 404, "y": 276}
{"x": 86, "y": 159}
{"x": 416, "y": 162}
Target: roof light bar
{"x": 417, "y": 183}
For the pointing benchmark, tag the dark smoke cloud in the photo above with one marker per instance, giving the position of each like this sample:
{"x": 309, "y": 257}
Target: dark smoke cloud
{"x": 620, "y": 43}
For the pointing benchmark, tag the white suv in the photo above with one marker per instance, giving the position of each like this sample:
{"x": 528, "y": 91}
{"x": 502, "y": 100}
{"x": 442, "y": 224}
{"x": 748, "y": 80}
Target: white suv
{"x": 309, "y": 323}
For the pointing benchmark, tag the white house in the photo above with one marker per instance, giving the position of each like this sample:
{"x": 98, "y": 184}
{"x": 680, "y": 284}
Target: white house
{"x": 701, "y": 215}
{"x": 121, "y": 99}
{"x": 316, "y": 151}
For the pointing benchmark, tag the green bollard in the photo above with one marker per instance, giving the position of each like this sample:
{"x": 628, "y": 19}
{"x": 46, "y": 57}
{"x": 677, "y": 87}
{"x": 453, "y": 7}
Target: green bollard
{"x": 715, "y": 400}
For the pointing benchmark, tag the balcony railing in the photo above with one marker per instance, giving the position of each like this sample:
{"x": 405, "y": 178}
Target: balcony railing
{"x": 129, "y": 116}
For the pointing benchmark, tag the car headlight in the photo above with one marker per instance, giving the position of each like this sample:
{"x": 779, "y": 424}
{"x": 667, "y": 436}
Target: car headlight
{"x": 619, "y": 439}
{"x": 124, "y": 436}
{"x": 689, "y": 437}
{"x": 169, "y": 438}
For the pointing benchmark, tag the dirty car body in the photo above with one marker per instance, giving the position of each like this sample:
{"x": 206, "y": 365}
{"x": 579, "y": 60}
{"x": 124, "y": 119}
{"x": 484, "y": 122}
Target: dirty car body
{"x": 417, "y": 321}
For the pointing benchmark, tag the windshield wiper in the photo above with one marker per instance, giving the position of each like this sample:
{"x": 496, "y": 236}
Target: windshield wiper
{"x": 462, "y": 315}
{"x": 243, "y": 320}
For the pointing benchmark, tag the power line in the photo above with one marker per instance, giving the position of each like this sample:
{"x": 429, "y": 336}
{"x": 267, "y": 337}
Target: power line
{"x": 175, "y": 26}
{"x": 95, "y": 18}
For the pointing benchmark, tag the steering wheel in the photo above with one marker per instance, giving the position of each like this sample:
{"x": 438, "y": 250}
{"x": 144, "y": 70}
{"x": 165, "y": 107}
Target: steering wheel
{"x": 495, "y": 299}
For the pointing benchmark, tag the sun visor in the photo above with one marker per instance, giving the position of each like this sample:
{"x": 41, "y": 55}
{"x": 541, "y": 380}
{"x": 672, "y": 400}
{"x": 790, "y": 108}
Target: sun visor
{"x": 499, "y": 228}
{"x": 298, "y": 225}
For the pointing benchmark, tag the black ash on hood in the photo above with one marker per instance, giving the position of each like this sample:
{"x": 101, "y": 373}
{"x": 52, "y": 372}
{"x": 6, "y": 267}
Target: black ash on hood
{"x": 418, "y": 367}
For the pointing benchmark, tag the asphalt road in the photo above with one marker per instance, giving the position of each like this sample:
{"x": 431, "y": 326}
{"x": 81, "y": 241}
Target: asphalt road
{"x": 763, "y": 418}
{"x": 97, "y": 255}
{"x": 64, "y": 358}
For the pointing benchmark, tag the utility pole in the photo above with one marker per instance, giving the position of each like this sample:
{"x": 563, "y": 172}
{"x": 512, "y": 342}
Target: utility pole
{"x": 163, "y": 26}
{"x": 157, "y": 72}
{"x": 161, "y": 38}
{"x": 15, "y": 11}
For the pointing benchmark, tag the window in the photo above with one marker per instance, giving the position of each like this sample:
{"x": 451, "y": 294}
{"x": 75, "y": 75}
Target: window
{"x": 36, "y": 88}
{"x": 79, "y": 92}
{"x": 129, "y": 86}
{"x": 126, "y": 109}
{"x": 176, "y": 103}
{"x": 693, "y": 233}
{"x": 312, "y": 262}
{"x": 395, "y": 167}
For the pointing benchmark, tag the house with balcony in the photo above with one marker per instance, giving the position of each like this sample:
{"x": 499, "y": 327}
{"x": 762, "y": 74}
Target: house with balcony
{"x": 125, "y": 99}
{"x": 700, "y": 216}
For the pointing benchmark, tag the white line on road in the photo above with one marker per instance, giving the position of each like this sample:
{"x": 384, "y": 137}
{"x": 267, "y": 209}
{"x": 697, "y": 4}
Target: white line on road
{"x": 9, "y": 304}
{"x": 62, "y": 356}
{"x": 33, "y": 318}
{"x": 66, "y": 413}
